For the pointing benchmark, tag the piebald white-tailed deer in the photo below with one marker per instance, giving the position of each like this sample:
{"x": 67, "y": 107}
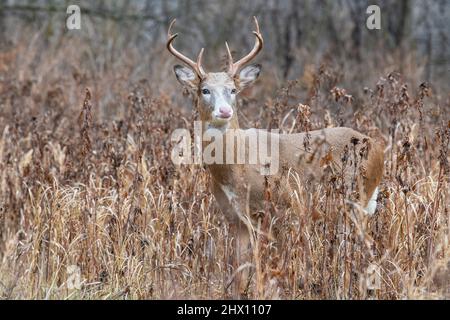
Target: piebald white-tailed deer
{"x": 240, "y": 188}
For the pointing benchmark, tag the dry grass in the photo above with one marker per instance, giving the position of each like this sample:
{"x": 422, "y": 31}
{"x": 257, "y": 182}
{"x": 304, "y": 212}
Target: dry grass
{"x": 87, "y": 181}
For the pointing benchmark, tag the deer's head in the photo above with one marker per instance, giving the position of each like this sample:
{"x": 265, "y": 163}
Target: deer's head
{"x": 217, "y": 91}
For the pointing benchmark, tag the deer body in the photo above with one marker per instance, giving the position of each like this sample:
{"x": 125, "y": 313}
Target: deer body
{"x": 240, "y": 188}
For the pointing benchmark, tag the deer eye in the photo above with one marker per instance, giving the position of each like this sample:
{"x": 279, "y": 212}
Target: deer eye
{"x": 233, "y": 91}
{"x": 205, "y": 91}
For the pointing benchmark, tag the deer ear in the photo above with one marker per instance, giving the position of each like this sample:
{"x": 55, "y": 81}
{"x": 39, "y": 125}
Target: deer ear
{"x": 249, "y": 74}
{"x": 186, "y": 76}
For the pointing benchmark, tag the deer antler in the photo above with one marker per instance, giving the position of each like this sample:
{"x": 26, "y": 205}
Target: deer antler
{"x": 196, "y": 66}
{"x": 234, "y": 67}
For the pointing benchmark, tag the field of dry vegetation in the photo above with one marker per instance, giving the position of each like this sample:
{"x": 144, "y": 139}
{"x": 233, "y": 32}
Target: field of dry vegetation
{"x": 86, "y": 180}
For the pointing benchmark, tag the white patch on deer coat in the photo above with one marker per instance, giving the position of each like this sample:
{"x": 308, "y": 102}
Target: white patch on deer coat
{"x": 228, "y": 192}
{"x": 372, "y": 204}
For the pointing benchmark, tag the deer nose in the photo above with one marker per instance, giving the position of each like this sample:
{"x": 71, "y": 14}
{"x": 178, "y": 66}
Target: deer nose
{"x": 225, "y": 112}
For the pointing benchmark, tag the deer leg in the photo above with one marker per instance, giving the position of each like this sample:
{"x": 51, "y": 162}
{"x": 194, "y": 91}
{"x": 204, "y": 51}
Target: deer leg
{"x": 243, "y": 259}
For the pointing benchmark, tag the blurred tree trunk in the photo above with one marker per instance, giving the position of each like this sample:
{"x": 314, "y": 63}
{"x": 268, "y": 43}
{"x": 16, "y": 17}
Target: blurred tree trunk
{"x": 287, "y": 52}
{"x": 2, "y": 28}
{"x": 429, "y": 42}
{"x": 404, "y": 17}
{"x": 357, "y": 12}
{"x": 402, "y": 33}
{"x": 398, "y": 20}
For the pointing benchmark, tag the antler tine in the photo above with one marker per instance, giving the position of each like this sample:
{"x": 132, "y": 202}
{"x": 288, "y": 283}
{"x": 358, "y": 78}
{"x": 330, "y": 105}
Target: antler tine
{"x": 230, "y": 57}
{"x": 234, "y": 67}
{"x": 257, "y": 25}
{"x": 170, "y": 28}
{"x": 196, "y": 66}
{"x": 199, "y": 63}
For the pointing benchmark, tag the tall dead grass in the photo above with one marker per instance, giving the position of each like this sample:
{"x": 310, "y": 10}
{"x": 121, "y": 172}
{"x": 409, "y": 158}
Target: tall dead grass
{"x": 86, "y": 181}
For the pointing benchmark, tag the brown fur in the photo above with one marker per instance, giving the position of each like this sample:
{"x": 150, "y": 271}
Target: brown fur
{"x": 246, "y": 181}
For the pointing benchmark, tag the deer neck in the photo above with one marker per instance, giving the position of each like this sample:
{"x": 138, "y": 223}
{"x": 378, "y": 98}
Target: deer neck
{"x": 233, "y": 124}
{"x": 221, "y": 173}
